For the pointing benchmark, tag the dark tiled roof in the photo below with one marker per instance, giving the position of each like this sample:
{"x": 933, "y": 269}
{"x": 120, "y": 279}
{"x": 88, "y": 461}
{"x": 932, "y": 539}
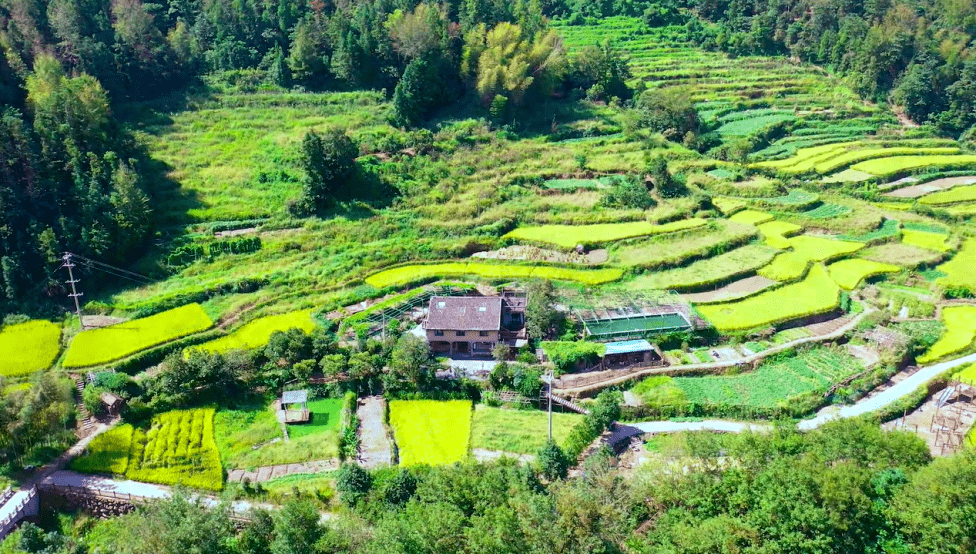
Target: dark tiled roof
{"x": 465, "y": 313}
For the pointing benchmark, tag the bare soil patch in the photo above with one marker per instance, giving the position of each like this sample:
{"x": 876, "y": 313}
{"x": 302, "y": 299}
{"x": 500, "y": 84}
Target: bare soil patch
{"x": 732, "y": 291}
{"x": 916, "y": 191}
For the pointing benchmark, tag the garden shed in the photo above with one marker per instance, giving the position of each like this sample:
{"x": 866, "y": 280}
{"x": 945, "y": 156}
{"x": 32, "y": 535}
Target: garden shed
{"x": 113, "y": 403}
{"x": 293, "y": 406}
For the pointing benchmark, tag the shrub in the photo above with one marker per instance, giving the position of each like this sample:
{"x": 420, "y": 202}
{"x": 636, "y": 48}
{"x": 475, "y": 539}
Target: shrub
{"x": 352, "y": 483}
{"x": 553, "y": 463}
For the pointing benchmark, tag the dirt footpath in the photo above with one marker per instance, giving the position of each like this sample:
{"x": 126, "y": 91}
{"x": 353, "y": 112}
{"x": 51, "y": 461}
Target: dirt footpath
{"x": 375, "y": 449}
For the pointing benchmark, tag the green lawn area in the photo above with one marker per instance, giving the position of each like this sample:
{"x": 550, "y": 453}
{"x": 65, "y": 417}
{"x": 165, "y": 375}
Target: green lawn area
{"x": 519, "y": 431}
{"x": 325, "y": 415}
{"x": 244, "y": 436}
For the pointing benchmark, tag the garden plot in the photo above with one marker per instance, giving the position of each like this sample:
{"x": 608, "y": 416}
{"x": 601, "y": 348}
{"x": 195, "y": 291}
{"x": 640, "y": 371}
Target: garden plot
{"x": 431, "y": 432}
{"x": 772, "y": 384}
{"x": 746, "y": 123}
{"x": 107, "y": 453}
{"x": 257, "y": 333}
{"x": 521, "y": 252}
{"x": 405, "y": 275}
{"x": 959, "y": 274}
{"x": 917, "y": 191}
{"x": 28, "y": 347}
{"x": 888, "y": 229}
{"x": 248, "y": 438}
{"x": 849, "y": 273}
{"x": 709, "y": 272}
{"x": 960, "y": 332}
{"x": 568, "y": 236}
{"x": 100, "y": 346}
{"x": 177, "y": 449}
{"x": 518, "y": 431}
{"x": 817, "y": 294}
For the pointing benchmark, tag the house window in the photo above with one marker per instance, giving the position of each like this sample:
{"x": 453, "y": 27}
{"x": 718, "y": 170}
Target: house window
{"x": 438, "y": 333}
{"x": 460, "y": 333}
{"x": 483, "y": 333}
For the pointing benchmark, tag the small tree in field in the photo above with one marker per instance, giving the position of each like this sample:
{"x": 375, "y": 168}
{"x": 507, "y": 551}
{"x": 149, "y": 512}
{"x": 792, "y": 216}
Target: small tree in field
{"x": 329, "y": 161}
{"x": 553, "y": 463}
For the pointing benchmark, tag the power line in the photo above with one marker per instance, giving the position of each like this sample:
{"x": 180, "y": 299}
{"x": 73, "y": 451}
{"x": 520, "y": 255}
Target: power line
{"x": 117, "y": 271}
{"x": 46, "y": 280}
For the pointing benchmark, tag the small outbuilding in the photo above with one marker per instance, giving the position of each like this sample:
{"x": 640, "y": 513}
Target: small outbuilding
{"x": 293, "y": 406}
{"x": 630, "y": 353}
{"x": 113, "y": 403}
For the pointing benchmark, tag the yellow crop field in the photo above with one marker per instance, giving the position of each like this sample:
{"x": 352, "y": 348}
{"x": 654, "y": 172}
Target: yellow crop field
{"x": 888, "y": 166}
{"x": 854, "y": 156}
{"x": 952, "y": 196}
{"x": 787, "y": 266}
{"x": 806, "y": 249}
{"x": 967, "y": 375}
{"x": 925, "y": 239}
{"x": 849, "y": 273}
{"x": 107, "y": 453}
{"x": 821, "y": 249}
{"x": 776, "y": 233}
{"x": 412, "y": 273}
{"x": 28, "y": 347}
{"x": 751, "y": 217}
{"x": 431, "y": 432}
{"x": 959, "y": 270}
{"x": 806, "y": 158}
{"x": 99, "y": 346}
{"x": 568, "y": 236}
{"x": 178, "y": 449}
{"x": 816, "y": 294}
{"x": 256, "y": 333}
{"x": 960, "y": 324}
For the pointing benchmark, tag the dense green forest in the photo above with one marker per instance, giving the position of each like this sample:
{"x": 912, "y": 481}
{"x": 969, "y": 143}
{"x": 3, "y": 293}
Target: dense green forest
{"x": 73, "y": 180}
{"x": 847, "y": 488}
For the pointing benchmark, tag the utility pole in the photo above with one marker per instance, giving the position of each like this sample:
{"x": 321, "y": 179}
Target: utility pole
{"x": 551, "y": 376}
{"x": 74, "y": 293}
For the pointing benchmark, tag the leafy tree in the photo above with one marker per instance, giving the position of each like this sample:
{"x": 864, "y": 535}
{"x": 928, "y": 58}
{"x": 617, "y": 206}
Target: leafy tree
{"x": 258, "y": 534}
{"x": 411, "y": 365}
{"x": 669, "y": 112}
{"x": 517, "y": 67}
{"x": 666, "y": 185}
{"x": 417, "y": 94}
{"x": 541, "y": 317}
{"x": 352, "y": 483}
{"x": 400, "y": 488}
{"x": 601, "y": 66}
{"x": 329, "y": 162}
{"x": 297, "y": 528}
{"x": 628, "y": 192}
{"x": 553, "y": 463}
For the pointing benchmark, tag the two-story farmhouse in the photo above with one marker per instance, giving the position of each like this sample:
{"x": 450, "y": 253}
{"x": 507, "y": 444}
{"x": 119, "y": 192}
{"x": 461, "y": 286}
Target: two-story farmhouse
{"x": 464, "y": 324}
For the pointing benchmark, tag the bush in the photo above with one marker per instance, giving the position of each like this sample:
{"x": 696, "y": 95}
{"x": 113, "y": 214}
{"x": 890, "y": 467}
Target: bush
{"x": 352, "y": 483}
{"x": 553, "y": 463}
